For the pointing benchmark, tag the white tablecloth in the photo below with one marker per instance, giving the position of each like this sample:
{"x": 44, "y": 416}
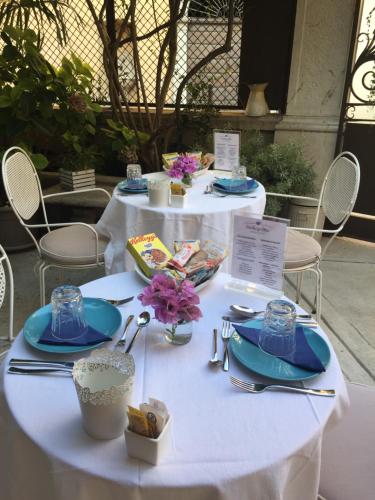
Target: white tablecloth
{"x": 205, "y": 217}
{"x": 226, "y": 444}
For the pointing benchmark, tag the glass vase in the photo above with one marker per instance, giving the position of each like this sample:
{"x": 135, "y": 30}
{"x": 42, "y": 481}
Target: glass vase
{"x": 179, "y": 333}
{"x": 187, "y": 180}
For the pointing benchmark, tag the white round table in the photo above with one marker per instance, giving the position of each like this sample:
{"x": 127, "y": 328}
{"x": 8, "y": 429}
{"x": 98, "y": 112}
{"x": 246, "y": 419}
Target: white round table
{"x": 226, "y": 443}
{"x": 205, "y": 217}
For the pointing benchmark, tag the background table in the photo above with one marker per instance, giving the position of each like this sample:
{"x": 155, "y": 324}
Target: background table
{"x": 205, "y": 217}
{"x": 226, "y": 444}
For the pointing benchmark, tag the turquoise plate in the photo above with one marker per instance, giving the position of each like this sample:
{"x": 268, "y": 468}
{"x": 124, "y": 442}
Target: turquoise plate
{"x": 256, "y": 360}
{"x": 99, "y": 314}
{"x": 224, "y": 186}
{"x": 123, "y": 186}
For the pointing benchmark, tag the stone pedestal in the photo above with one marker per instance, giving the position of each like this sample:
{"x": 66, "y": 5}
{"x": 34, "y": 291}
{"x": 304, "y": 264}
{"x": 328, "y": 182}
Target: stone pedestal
{"x": 319, "y": 60}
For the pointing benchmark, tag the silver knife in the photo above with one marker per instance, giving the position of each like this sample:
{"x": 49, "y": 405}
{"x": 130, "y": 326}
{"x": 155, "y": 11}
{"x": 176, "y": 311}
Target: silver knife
{"x": 33, "y": 371}
{"x": 36, "y": 362}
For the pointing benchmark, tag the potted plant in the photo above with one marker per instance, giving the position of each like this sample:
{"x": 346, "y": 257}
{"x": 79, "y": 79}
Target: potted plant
{"x": 281, "y": 168}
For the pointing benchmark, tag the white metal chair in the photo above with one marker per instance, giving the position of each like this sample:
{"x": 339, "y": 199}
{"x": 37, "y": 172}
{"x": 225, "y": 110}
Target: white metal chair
{"x": 3, "y": 286}
{"x": 348, "y": 450}
{"x": 337, "y": 198}
{"x": 74, "y": 245}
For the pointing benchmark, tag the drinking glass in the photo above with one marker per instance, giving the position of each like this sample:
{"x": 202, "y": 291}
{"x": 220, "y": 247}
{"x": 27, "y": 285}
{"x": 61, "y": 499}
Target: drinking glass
{"x": 134, "y": 175}
{"x": 68, "y": 315}
{"x": 239, "y": 177}
{"x": 278, "y": 335}
{"x": 239, "y": 173}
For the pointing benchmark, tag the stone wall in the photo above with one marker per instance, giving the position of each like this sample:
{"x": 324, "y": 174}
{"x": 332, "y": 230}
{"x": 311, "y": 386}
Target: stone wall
{"x": 319, "y": 60}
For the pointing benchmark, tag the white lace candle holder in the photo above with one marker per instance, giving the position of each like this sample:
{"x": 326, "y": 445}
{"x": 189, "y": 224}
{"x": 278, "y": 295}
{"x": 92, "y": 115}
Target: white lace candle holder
{"x": 158, "y": 192}
{"x": 104, "y": 384}
{"x": 148, "y": 449}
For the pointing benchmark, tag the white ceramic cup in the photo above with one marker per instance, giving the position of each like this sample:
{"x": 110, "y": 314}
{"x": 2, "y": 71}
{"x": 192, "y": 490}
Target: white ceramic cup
{"x": 104, "y": 384}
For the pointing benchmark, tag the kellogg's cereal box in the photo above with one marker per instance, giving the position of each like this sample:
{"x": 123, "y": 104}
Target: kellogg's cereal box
{"x": 149, "y": 253}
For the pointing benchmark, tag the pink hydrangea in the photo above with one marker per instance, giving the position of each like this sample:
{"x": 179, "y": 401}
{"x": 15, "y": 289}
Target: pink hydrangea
{"x": 172, "y": 302}
{"x": 184, "y": 165}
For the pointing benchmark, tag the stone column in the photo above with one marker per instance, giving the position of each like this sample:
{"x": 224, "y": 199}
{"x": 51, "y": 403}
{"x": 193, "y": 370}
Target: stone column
{"x": 319, "y": 60}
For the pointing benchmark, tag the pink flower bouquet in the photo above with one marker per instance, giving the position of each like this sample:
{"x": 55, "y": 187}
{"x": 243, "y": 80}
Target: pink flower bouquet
{"x": 183, "y": 167}
{"x": 173, "y": 302}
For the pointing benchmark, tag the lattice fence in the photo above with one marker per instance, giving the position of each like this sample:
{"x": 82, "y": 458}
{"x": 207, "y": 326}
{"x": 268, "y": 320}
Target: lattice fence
{"x": 200, "y": 32}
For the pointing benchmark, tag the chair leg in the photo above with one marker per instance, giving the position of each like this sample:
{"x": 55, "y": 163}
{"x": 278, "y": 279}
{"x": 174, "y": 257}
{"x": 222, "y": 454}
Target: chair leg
{"x": 319, "y": 288}
{"x": 298, "y": 287}
{"x": 42, "y": 284}
{"x": 11, "y": 307}
{"x": 317, "y": 307}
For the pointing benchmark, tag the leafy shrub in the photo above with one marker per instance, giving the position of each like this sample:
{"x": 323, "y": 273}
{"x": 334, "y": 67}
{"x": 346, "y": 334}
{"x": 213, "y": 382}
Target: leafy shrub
{"x": 281, "y": 168}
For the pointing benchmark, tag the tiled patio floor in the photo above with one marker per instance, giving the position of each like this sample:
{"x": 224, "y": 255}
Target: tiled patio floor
{"x": 348, "y": 311}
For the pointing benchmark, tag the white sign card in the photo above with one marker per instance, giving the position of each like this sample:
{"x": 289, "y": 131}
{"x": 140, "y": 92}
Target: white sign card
{"x": 258, "y": 250}
{"x": 227, "y": 149}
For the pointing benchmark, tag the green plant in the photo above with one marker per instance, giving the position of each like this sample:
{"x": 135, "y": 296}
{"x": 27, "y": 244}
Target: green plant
{"x": 281, "y": 168}
{"x": 21, "y": 13}
{"x": 123, "y": 141}
{"x": 43, "y": 107}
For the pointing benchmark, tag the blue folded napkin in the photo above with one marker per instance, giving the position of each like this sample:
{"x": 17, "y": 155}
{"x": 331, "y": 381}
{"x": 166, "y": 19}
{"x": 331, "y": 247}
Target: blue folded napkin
{"x": 89, "y": 337}
{"x": 135, "y": 185}
{"x": 303, "y": 356}
{"x": 235, "y": 185}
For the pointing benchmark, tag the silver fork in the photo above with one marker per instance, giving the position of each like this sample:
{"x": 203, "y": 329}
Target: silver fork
{"x": 250, "y": 387}
{"x": 219, "y": 195}
{"x": 225, "y": 335}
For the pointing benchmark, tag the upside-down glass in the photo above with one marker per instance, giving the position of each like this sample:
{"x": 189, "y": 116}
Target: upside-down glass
{"x": 68, "y": 315}
{"x": 278, "y": 335}
{"x": 134, "y": 175}
{"x": 239, "y": 172}
{"x": 239, "y": 177}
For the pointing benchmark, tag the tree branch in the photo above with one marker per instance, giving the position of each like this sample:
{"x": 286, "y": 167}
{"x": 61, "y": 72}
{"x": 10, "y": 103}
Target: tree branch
{"x": 160, "y": 27}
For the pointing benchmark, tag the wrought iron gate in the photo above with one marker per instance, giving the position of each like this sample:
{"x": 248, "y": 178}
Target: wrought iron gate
{"x": 357, "y": 121}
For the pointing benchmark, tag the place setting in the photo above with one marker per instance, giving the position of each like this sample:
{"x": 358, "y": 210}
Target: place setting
{"x": 236, "y": 185}
{"x": 134, "y": 182}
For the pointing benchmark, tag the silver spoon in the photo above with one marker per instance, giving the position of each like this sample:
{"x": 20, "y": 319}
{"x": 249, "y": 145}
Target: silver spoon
{"x": 248, "y": 312}
{"x": 142, "y": 321}
{"x": 215, "y": 361}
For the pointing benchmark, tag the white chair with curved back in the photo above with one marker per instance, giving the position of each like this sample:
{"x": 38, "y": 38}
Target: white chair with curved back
{"x": 4, "y": 263}
{"x": 337, "y": 198}
{"x": 72, "y": 245}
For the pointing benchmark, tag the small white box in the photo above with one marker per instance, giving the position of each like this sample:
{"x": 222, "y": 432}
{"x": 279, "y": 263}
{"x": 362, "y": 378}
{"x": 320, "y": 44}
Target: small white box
{"x": 148, "y": 449}
{"x": 178, "y": 200}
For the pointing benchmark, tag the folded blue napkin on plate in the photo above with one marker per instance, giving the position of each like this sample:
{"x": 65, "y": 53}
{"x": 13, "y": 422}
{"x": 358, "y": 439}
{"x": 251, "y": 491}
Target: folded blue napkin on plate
{"x": 137, "y": 185}
{"x": 89, "y": 337}
{"x": 236, "y": 185}
{"x": 304, "y": 356}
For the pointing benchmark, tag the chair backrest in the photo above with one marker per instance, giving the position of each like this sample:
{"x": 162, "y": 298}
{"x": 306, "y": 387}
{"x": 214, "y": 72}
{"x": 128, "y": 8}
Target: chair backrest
{"x": 3, "y": 286}
{"x": 340, "y": 188}
{"x": 21, "y": 183}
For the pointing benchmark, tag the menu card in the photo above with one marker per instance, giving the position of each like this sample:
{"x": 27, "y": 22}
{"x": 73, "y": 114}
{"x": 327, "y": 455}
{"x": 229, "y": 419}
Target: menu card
{"x": 258, "y": 251}
{"x": 227, "y": 149}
